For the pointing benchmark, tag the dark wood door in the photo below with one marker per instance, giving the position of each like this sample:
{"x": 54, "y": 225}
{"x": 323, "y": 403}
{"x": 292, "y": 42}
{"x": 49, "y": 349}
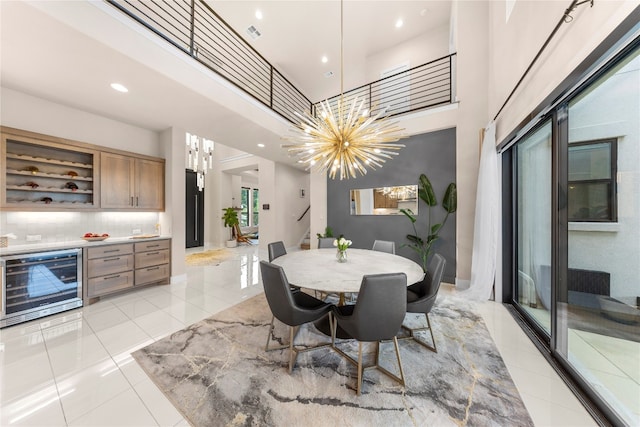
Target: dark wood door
{"x": 194, "y": 205}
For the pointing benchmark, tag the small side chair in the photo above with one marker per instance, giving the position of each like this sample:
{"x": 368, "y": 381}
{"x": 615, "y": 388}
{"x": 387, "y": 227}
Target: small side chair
{"x": 384, "y": 246}
{"x": 325, "y": 242}
{"x": 376, "y": 316}
{"x": 277, "y": 249}
{"x": 291, "y": 308}
{"x": 422, "y": 295}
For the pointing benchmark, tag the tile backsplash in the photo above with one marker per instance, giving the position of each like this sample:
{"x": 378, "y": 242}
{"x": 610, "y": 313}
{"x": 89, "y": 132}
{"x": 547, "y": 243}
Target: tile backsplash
{"x": 60, "y": 227}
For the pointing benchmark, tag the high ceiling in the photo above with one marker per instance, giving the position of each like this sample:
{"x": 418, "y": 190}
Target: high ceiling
{"x": 295, "y": 35}
{"x": 48, "y": 50}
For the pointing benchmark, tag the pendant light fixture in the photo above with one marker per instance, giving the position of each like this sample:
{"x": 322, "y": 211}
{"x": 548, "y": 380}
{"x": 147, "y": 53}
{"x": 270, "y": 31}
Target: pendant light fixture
{"x": 199, "y": 156}
{"x": 344, "y": 140}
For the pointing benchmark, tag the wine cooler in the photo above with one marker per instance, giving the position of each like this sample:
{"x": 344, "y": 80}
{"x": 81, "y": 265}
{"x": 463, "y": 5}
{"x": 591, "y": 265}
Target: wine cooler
{"x": 39, "y": 284}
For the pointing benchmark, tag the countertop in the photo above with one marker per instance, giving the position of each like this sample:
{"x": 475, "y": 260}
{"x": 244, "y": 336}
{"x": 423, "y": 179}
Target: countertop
{"x": 70, "y": 244}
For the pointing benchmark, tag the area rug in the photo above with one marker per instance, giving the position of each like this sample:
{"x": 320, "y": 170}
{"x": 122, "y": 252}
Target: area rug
{"x": 217, "y": 373}
{"x": 211, "y": 257}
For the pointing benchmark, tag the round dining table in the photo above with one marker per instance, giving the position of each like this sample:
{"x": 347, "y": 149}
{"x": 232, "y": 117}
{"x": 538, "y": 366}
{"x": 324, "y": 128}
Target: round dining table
{"x": 319, "y": 269}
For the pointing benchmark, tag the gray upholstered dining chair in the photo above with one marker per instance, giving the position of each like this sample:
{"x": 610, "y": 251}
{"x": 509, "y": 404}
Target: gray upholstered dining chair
{"x": 291, "y": 308}
{"x": 325, "y": 242}
{"x": 422, "y": 295}
{"x": 377, "y": 315}
{"x": 384, "y": 246}
{"x": 277, "y": 249}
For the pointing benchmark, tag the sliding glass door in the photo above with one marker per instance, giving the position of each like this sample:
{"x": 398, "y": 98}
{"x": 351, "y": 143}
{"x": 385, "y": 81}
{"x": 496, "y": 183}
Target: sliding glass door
{"x": 533, "y": 218}
{"x": 574, "y": 199}
{"x": 600, "y": 334}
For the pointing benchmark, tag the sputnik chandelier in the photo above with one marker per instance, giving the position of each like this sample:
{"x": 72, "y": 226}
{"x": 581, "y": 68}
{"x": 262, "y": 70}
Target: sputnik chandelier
{"x": 199, "y": 156}
{"x": 345, "y": 138}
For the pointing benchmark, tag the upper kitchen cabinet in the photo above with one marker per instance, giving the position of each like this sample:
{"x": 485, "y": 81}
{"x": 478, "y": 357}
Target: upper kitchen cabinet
{"x": 131, "y": 182}
{"x": 39, "y": 172}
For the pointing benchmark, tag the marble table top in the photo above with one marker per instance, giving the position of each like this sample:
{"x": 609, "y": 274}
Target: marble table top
{"x": 319, "y": 270}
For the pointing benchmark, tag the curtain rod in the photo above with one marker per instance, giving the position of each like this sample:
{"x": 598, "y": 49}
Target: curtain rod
{"x": 566, "y": 18}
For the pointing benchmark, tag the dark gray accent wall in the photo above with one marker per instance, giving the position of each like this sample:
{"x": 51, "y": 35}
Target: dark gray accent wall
{"x": 433, "y": 154}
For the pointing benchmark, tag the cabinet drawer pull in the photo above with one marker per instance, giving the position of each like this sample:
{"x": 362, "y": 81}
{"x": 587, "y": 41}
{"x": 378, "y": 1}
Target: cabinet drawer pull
{"x": 153, "y": 246}
{"x": 112, "y": 259}
{"x": 111, "y": 250}
{"x": 153, "y": 253}
{"x": 111, "y": 277}
{"x": 153, "y": 268}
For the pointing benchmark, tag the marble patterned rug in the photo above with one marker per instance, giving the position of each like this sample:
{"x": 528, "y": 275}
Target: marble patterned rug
{"x": 217, "y": 373}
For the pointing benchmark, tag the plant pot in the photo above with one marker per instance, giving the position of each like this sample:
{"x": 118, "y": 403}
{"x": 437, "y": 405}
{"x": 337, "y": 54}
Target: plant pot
{"x": 231, "y": 243}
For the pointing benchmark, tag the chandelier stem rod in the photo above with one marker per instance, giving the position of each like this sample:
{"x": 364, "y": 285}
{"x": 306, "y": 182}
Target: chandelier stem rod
{"x": 341, "y": 48}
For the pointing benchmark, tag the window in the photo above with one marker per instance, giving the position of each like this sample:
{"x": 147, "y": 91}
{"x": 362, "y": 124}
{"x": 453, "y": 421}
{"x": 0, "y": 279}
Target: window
{"x": 250, "y": 207}
{"x": 255, "y": 207}
{"x": 592, "y": 184}
{"x": 244, "y": 204}
{"x": 568, "y": 283}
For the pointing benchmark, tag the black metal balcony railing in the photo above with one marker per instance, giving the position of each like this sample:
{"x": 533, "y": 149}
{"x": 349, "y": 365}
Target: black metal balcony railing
{"x": 194, "y": 28}
{"x": 425, "y": 86}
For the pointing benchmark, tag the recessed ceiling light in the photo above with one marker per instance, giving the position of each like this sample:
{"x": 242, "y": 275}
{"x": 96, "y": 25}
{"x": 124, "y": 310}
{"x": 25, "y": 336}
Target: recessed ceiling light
{"x": 399, "y": 23}
{"x": 119, "y": 87}
{"x": 261, "y": 145}
{"x": 258, "y": 14}
{"x": 324, "y": 59}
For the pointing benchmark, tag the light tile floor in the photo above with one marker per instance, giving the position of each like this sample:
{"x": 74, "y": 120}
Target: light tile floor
{"x": 75, "y": 368}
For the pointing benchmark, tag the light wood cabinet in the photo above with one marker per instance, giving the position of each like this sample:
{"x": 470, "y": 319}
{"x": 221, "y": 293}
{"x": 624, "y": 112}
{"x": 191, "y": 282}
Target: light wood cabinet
{"x": 46, "y": 174}
{"x": 120, "y": 267}
{"x": 41, "y": 172}
{"x": 380, "y": 200}
{"x": 109, "y": 269}
{"x": 153, "y": 262}
{"x": 131, "y": 183}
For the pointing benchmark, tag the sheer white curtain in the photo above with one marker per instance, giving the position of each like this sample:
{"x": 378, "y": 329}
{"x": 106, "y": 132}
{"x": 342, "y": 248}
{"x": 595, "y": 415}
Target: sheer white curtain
{"x": 487, "y": 220}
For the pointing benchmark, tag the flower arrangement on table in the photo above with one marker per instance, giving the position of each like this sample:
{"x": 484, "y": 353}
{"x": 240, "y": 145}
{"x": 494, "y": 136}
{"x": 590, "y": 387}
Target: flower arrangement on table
{"x": 342, "y": 244}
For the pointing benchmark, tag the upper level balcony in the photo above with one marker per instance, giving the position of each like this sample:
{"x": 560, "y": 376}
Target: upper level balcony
{"x": 198, "y": 31}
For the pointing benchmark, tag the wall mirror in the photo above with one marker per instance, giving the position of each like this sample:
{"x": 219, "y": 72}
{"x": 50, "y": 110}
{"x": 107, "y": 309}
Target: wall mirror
{"x": 384, "y": 200}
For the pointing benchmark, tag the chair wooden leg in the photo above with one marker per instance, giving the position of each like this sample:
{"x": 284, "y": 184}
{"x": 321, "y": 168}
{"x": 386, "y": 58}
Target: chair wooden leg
{"x": 271, "y": 329}
{"x": 266, "y": 347}
{"x": 293, "y": 353}
{"x": 293, "y": 350}
{"x": 395, "y": 343}
{"x": 359, "y": 386}
{"x": 412, "y": 335}
{"x": 433, "y": 340}
{"x": 400, "y": 378}
{"x": 333, "y": 327}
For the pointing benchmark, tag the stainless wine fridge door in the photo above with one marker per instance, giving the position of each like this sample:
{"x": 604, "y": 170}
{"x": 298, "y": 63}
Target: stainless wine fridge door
{"x": 39, "y": 284}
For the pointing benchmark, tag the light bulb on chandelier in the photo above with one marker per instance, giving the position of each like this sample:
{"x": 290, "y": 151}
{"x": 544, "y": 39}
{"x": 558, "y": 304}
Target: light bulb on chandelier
{"x": 199, "y": 156}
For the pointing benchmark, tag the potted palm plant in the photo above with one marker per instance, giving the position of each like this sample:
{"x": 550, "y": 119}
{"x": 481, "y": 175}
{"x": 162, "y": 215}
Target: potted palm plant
{"x": 423, "y": 244}
{"x": 230, "y": 218}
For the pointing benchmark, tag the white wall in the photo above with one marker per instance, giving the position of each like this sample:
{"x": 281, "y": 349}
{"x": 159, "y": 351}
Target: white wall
{"x": 27, "y": 112}
{"x": 23, "y": 111}
{"x": 532, "y": 21}
{"x": 515, "y": 43}
{"x": 290, "y": 205}
{"x": 173, "y": 219}
{"x": 472, "y": 77}
{"x": 417, "y": 51}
